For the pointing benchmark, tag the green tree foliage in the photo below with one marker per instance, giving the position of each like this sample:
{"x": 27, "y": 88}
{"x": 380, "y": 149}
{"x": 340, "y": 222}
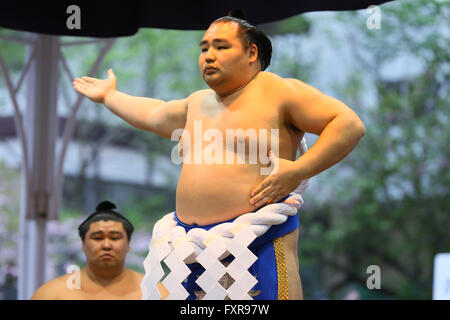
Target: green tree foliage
{"x": 392, "y": 208}
{"x": 13, "y": 54}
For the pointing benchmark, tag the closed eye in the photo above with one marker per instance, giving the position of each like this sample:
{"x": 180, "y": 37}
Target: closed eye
{"x": 218, "y": 48}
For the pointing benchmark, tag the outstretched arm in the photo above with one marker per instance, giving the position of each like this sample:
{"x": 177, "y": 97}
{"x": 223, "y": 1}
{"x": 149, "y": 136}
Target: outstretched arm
{"x": 143, "y": 113}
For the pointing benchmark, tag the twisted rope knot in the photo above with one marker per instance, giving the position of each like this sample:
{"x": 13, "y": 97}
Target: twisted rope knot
{"x": 166, "y": 229}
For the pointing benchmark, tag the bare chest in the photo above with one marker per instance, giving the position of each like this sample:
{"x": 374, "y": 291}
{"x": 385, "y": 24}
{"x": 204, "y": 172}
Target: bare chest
{"x": 96, "y": 293}
{"x": 250, "y": 111}
{"x": 127, "y": 289}
{"x": 239, "y": 132}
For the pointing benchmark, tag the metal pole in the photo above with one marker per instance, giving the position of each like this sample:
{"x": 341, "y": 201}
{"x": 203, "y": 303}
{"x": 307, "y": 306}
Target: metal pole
{"x": 22, "y": 260}
{"x": 41, "y": 126}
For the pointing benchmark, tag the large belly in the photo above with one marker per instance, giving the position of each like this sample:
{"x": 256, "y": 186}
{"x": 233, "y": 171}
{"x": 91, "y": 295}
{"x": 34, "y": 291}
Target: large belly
{"x": 225, "y": 156}
{"x": 214, "y": 193}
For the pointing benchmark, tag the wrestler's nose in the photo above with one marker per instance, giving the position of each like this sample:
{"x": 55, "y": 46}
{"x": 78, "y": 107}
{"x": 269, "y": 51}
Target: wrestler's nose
{"x": 106, "y": 244}
{"x": 210, "y": 56}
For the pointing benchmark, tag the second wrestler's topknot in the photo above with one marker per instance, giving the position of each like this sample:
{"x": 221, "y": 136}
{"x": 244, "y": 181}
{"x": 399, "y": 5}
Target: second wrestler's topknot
{"x": 105, "y": 211}
{"x": 105, "y": 206}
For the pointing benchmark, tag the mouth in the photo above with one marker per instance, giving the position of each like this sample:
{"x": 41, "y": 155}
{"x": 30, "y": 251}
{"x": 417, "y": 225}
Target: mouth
{"x": 106, "y": 256}
{"x": 210, "y": 70}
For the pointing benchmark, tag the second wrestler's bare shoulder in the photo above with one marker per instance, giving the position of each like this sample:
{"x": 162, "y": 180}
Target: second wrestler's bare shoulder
{"x": 51, "y": 289}
{"x": 136, "y": 275}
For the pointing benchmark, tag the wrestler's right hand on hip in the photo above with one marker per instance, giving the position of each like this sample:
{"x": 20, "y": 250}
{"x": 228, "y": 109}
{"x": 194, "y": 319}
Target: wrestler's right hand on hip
{"x": 96, "y": 89}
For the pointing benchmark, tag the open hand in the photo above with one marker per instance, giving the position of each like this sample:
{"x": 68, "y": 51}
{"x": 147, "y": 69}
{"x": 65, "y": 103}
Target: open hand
{"x": 284, "y": 179}
{"x": 96, "y": 89}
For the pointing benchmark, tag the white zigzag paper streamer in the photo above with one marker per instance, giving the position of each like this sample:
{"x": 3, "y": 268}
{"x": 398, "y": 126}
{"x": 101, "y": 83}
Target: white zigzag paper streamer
{"x": 158, "y": 250}
{"x": 214, "y": 270}
{"x": 243, "y": 259}
{"x": 178, "y": 271}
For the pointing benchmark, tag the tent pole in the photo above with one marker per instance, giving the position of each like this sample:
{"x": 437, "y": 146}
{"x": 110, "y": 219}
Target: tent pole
{"x": 41, "y": 126}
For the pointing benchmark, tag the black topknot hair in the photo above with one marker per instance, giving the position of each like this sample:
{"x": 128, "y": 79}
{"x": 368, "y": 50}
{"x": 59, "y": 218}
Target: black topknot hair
{"x": 105, "y": 205}
{"x": 105, "y": 211}
{"x": 251, "y": 35}
{"x": 237, "y": 13}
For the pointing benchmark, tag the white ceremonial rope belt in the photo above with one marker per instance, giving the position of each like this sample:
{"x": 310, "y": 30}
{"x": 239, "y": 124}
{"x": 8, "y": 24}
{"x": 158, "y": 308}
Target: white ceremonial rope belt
{"x": 171, "y": 244}
{"x": 176, "y": 248}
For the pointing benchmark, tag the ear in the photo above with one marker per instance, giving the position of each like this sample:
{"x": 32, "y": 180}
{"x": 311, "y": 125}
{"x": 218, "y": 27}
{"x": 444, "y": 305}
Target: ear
{"x": 253, "y": 53}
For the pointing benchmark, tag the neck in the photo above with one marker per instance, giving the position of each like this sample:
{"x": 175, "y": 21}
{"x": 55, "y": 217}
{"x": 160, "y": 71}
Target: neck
{"x": 104, "y": 277}
{"x": 227, "y": 94}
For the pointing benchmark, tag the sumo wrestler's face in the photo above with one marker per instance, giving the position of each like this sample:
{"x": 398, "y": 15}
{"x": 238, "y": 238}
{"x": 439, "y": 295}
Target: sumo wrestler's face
{"x": 106, "y": 244}
{"x": 223, "y": 59}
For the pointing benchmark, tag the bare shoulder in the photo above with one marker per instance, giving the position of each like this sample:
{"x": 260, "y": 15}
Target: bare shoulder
{"x": 136, "y": 276}
{"x": 297, "y": 93}
{"x": 272, "y": 83}
{"x": 199, "y": 94}
{"x": 270, "y": 78}
{"x": 51, "y": 290}
{"x": 297, "y": 87}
